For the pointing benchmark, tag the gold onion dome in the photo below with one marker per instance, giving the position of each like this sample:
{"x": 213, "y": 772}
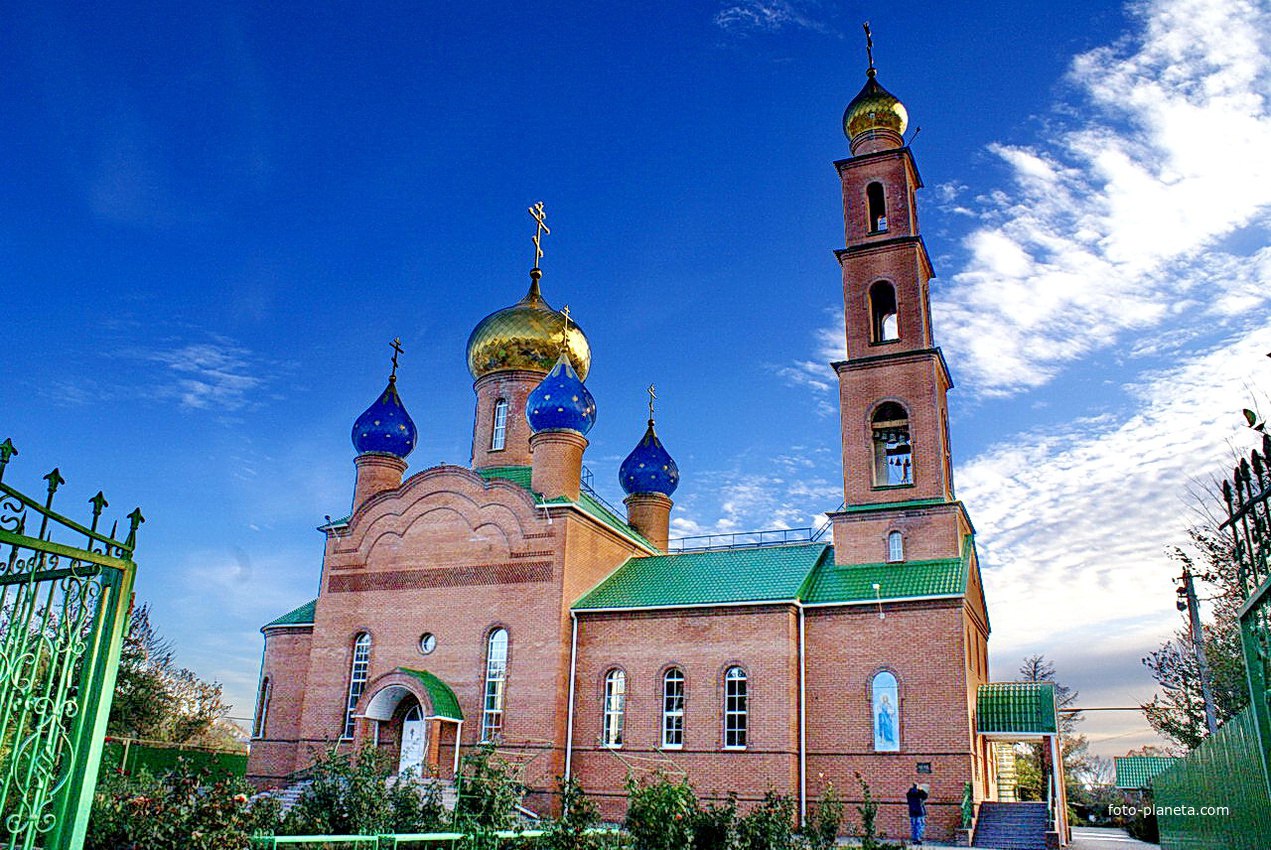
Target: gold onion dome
{"x": 526, "y": 336}
{"x": 874, "y": 108}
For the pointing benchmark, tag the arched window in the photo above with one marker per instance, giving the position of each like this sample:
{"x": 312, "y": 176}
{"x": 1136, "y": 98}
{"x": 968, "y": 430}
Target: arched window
{"x": 357, "y": 679}
{"x": 883, "y": 326}
{"x": 895, "y": 547}
{"x": 736, "y": 709}
{"x": 496, "y": 674}
{"x": 615, "y": 708}
{"x": 893, "y": 457}
{"x": 262, "y": 707}
{"x": 499, "y": 431}
{"x": 673, "y": 709}
{"x": 885, "y": 703}
{"x": 877, "y": 207}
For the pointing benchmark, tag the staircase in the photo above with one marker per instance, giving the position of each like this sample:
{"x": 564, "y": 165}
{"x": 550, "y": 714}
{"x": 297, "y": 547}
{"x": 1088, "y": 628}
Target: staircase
{"x": 291, "y": 794}
{"x": 1007, "y": 781}
{"x": 1011, "y": 826}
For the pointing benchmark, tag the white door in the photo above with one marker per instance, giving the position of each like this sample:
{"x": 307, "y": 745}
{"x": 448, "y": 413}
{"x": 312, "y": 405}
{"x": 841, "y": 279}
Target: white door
{"x": 413, "y": 740}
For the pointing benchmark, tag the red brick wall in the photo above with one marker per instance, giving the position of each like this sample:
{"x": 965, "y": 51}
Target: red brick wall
{"x": 286, "y": 659}
{"x": 928, "y": 533}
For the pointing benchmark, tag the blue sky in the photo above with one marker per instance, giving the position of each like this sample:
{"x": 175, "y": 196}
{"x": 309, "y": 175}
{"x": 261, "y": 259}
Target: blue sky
{"x": 217, "y": 218}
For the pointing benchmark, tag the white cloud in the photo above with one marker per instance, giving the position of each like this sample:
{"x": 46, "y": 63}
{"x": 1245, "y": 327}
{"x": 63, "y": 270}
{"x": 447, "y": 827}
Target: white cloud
{"x": 765, "y": 16}
{"x": 216, "y": 375}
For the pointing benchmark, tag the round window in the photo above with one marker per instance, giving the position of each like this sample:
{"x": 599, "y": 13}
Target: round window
{"x": 427, "y": 642}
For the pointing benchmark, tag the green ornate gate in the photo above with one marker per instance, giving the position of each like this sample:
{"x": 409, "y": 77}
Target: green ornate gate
{"x": 65, "y": 594}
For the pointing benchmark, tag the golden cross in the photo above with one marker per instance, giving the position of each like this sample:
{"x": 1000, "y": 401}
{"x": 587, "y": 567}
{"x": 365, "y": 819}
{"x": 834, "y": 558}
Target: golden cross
{"x": 564, "y": 334}
{"x": 653, "y": 393}
{"x": 397, "y": 349}
{"x": 869, "y": 45}
{"x": 540, "y": 216}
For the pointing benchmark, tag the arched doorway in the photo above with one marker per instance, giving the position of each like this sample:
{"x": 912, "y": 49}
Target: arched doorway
{"x": 414, "y": 738}
{"x": 415, "y": 719}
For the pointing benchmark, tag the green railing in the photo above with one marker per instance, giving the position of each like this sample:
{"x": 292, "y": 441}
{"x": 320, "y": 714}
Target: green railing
{"x": 610, "y": 839}
{"x": 1217, "y": 796}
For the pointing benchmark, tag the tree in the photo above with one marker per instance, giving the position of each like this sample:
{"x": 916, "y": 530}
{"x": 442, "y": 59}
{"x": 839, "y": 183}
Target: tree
{"x": 1178, "y": 712}
{"x": 1073, "y": 747}
{"x": 155, "y": 700}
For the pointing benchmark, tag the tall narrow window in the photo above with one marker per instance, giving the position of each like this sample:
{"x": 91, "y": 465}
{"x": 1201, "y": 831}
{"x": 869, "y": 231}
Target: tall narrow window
{"x": 615, "y": 708}
{"x": 895, "y": 547}
{"x": 882, "y": 312}
{"x": 499, "y": 431}
{"x": 496, "y": 673}
{"x": 885, "y": 700}
{"x": 736, "y": 709}
{"x": 893, "y": 456}
{"x": 357, "y": 679}
{"x": 673, "y": 709}
{"x": 262, "y": 708}
{"x": 877, "y": 207}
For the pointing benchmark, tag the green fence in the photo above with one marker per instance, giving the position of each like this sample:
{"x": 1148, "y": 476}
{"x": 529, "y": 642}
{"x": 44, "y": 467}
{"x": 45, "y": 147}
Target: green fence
{"x": 1217, "y": 796}
{"x": 158, "y": 759}
{"x": 609, "y": 839}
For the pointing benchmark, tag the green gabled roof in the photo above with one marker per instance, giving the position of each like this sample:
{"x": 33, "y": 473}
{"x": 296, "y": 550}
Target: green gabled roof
{"x": 1137, "y": 772}
{"x": 762, "y": 574}
{"x": 302, "y": 616}
{"x": 1016, "y": 707}
{"x": 521, "y": 475}
{"x": 444, "y": 702}
{"x": 855, "y": 582}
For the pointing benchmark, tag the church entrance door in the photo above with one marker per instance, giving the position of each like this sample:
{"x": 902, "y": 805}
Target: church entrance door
{"x": 414, "y": 738}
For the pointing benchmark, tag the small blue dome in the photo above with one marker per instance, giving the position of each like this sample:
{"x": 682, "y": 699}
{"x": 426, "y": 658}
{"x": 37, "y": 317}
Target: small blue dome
{"x": 385, "y": 427}
{"x": 560, "y": 401}
{"x": 649, "y": 469}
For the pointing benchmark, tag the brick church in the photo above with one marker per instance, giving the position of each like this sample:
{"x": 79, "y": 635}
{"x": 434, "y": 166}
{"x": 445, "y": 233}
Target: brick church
{"x": 503, "y": 602}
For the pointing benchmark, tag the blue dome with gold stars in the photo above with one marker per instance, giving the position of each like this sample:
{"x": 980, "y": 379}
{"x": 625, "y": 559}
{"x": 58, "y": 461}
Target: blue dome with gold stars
{"x": 560, "y": 401}
{"x": 649, "y": 468}
{"x": 385, "y": 427}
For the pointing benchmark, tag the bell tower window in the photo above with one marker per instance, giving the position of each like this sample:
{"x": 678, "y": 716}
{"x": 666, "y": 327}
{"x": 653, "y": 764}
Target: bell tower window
{"x": 882, "y": 312}
{"x": 499, "y": 431}
{"x": 893, "y": 454}
{"x": 877, "y": 208}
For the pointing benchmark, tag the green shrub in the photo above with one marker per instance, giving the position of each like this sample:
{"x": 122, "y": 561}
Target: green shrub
{"x": 182, "y": 810}
{"x": 578, "y": 815}
{"x": 824, "y": 822}
{"x": 489, "y": 792}
{"x": 354, "y": 793}
{"x": 715, "y": 826}
{"x": 660, "y": 813}
{"x": 769, "y": 825}
{"x": 868, "y": 832}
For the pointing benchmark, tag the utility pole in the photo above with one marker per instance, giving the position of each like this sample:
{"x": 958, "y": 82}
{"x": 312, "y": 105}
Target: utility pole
{"x": 1187, "y": 602}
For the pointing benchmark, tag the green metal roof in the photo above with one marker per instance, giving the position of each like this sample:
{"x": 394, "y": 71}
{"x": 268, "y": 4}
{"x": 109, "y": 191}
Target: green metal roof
{"x": 1137, "y": 772}
{"x": 302, "y": 616}
{"x": 762, "y": 574}
{"x": 1016, "y": 707}
{"x": 855, "y": 582}
{"x": 444, "y": 702}
{"x": 521, "y": 475}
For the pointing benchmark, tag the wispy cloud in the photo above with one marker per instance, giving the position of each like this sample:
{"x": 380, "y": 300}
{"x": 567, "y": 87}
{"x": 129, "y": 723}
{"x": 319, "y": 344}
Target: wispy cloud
{"x": 749, "y": 16}
{"x": 218, "y": 374}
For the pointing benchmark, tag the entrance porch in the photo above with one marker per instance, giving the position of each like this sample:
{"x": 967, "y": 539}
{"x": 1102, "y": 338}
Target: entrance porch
{"x": 414, "y": 717}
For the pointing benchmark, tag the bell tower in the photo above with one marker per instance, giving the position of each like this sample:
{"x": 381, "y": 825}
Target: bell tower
{"x": 897, "y": 468}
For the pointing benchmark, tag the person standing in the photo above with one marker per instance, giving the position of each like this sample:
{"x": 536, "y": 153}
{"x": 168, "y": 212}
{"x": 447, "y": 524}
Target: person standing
{"x": 917, "y": 800}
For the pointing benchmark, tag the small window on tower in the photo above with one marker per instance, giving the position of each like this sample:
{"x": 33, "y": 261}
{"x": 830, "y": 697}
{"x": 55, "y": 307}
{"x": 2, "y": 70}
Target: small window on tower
{"x": 895, "y": 547}
{"x": 893, "y": 455}
{"x": 877, "y": 207}
{"x": 498, "y": 434}
{"x": 882, "y": 310}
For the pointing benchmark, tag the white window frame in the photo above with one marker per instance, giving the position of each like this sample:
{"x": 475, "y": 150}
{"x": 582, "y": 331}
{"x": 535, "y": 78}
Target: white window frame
{"x": 499, "y": 429}
{"x": 736, "y": 709}
{"x": 895, "y": 547}
{"x": 495, "y": 692}
{"x": 615, "y": 709}
{"x": 358, "y": 674}
{"x": 673, "y": 709}
{"x": 262, "y": 707}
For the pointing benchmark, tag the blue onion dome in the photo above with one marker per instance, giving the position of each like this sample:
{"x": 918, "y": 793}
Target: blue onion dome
{"x": 560, "y": 401}
{"x": 649, "y": 468}
{"x": 385, "y": 427}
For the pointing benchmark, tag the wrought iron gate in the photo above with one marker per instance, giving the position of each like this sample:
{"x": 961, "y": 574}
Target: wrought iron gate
{"x": 65, "y": 594}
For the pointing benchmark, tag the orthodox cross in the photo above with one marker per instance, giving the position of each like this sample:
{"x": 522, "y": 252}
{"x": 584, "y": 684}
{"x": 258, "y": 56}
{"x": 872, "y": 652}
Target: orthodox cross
{"x": 653, "y": 394}
{"x": 397, "y": 349}
{"x": 564, "y": 333}
{"x": 540, "y": 217}
{"x": 869, "y": 45}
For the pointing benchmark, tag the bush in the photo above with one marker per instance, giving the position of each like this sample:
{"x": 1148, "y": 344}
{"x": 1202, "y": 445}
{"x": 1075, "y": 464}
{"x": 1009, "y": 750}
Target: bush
{"x": 715, "y": 826}
{"x": 822, "y": 828}
{"x": 183, "y": 810}
{"x": 660, "y": 813}
{"x": 578, "y": 815}
{"x": 489, "y": 792}
{"x": 870, "y": 836}
{"x": 769, "y": 825}
{"x": 353, "y": 793}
